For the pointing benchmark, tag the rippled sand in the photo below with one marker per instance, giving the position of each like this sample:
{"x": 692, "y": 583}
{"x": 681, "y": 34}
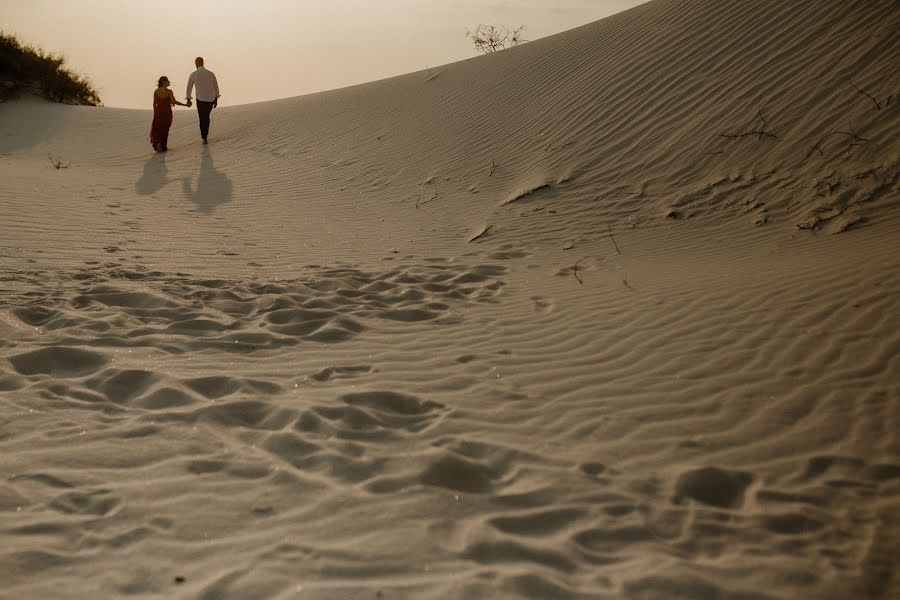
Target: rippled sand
{"x": 614, "y": 314}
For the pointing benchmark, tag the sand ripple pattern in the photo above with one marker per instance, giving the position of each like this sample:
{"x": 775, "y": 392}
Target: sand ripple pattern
{"x": 675, "y": 388}
{"x": 139, "y": 358}
{"x": 112, "y": 306}
{"x": 643, "y": 477}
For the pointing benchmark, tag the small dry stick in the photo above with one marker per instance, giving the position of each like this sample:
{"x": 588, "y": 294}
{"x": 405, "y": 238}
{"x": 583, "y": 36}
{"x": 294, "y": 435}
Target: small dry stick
{"x": 857, "y": 140}
{"x": 628, "y": 285}
{"x": 817, "y": 147}
{"x": 575, "y": 272}
{"x": 613, "y": 238}
{"x": 418, "y": 198}
{"x": 493, "y": 168}
{"x": 57, "y": 164}
{"x": 865, "y": 93}
{"x": 757, "y": 132}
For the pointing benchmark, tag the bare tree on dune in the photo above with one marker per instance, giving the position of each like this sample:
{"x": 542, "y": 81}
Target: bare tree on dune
{"x": 491, "y": 38}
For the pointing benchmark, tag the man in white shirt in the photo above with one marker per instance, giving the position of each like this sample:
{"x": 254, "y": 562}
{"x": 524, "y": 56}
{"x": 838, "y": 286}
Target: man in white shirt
{"x": 207, "y": 94}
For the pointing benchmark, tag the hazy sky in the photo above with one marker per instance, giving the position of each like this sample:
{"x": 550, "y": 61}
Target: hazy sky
{"x": 265, "y": 49}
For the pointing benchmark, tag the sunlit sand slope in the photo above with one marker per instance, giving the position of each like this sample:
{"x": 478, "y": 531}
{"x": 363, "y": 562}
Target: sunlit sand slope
{"x": 613, "y": 314}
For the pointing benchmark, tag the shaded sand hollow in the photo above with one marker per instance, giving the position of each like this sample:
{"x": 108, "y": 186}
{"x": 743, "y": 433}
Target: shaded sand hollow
{"x": 613, "y": 314}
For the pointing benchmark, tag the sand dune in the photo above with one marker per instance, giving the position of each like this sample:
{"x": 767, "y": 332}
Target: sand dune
{"x": 613, "y": 314}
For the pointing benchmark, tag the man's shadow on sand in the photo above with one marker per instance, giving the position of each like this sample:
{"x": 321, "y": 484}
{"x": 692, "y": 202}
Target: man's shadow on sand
{"x": 213, "y": 188}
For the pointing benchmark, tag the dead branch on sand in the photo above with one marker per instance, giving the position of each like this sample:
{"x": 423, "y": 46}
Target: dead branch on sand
{"x": 857, "y": 140}
{"x": 865, "y": 93}
{"x": 493, "y": 168}
{"x": 56, "y": 163}
{"x": 759, "y": 132}
{"x": 613, "y": 238}
{"x": 817, "y": 147}
{"x": 575, "y": 272}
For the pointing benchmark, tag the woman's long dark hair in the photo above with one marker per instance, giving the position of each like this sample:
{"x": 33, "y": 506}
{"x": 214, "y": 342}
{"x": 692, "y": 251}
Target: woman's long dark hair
{"x": 161, "y": 79}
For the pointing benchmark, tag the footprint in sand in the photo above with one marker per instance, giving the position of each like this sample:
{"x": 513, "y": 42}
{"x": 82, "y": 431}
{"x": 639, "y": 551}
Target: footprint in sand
{"x": 330, "y": 373}
{"x": 541, "y": 305}
{"x": 58, "y": 361}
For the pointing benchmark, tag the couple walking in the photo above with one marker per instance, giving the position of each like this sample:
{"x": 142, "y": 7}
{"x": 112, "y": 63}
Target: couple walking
{"x": 163, "y": 101}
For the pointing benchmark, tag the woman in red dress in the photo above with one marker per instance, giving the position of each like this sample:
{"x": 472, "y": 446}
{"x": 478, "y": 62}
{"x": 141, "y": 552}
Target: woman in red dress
{"x": 163, "y": 101}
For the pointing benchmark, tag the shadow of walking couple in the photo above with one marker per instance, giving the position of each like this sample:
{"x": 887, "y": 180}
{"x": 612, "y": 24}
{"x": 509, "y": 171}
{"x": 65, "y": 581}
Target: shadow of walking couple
{"x": 208, "y": 189}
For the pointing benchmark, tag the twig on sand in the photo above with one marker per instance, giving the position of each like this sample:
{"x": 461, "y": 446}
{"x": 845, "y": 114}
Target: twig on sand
{"x": 493, "y": 168}
{"x": 760, "y": 132}
{"x": 613, "y": 238}
{"x": 817, "y": 147}
{"x": 56, "y": 163}
{"x": 575, "y": 272}
{"x": 865, "y": 93}
{"x": 418, "y": 198}
{"x": 626, "y": 284}
{"x": 857, "y": 140}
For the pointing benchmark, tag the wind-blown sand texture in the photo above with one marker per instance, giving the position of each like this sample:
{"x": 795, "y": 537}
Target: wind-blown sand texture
{"x": 613, "y": 314}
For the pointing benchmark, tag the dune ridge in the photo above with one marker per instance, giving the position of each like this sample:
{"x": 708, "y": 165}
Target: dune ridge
{"x": 612, "y": 314}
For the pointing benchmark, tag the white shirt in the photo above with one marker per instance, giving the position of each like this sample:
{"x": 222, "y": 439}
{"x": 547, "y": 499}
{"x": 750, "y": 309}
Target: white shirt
{"x": 207, "y": 85}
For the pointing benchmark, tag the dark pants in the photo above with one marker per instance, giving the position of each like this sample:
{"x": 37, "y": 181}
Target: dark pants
{"x": 203, "y": 109}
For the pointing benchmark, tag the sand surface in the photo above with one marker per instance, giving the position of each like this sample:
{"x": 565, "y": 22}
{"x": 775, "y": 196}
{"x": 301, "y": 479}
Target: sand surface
{"x": 614, "y": 314}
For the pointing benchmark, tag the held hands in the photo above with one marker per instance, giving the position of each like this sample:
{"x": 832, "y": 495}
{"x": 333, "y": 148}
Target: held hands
{"x": 189, "y": 103}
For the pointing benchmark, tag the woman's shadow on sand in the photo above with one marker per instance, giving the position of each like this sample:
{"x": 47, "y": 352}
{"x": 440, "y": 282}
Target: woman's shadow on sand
{"x": 154, "y": 177}
{"x": 213, "y": 188}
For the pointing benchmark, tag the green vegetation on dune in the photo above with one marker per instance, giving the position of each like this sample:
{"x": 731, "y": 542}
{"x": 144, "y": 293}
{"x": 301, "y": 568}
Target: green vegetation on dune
{"x": 28, "y": 69}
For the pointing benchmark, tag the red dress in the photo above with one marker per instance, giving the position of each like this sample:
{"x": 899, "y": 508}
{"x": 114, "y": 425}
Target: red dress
{"x": 162, "y": 120}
